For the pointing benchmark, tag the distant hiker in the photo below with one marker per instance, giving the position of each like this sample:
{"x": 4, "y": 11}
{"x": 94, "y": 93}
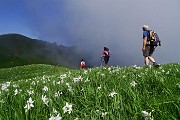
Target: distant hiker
{"x": 147, "y": 47}
{"x": 105, "y": 56}
{"x": 82, "y": 63}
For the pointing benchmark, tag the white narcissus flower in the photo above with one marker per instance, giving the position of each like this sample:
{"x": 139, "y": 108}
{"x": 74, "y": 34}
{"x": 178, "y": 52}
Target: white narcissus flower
{"x": 167, "y": 72}
{"x": 55, "y": 118}
{"x": 15, "y": 86}
{"x": 30, "y": 91}
{"x": 5, "y": 86}
{"x": 112, "y": 94}
{"x": 76, "y": 80}
{"x": 104, "y": 114}
{"x": 67, "y": 84}
{"x": 29, "y": 104}
{"x": 69, "y": 87}
{"x": 85, "y": 71}
{"x": 33, "y": 83}
{"x": 79, "y": 78}
{"x": 97, "y": 111}
{"x": 102, "y": 74}
{"x": 87, "y": 80}
{"x": 16, "y": 92}
{"x": 45, "y": 100}
{"x": 178, "y": 85}
{"x": 147, "y": 116}
{"x": 99, "y": 88}
{"x": 150, "y": 66}
{"x": 67, "y": 108}
{"x": 59, "y": 82}
{"x": 133, "y": 83}
{"x": 45, "y": 88}
{"x": 55, "y": 111}
{"x": 135, "y": 66}
{"x": 139, "y": 75}
{"x": 58, "y": 94}
{"x": 2, "y": 101}
{"x": 63, "y": 76}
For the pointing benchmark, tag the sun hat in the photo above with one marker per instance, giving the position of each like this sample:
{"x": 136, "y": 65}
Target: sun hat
{"x": 145, "y": 26}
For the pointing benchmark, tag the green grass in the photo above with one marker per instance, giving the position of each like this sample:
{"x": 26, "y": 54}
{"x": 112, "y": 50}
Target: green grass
{"x": 156, "y": 92}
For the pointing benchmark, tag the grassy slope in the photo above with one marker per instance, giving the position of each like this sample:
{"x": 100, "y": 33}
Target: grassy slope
{"x": 30, "y": 71}
{"x": 156, "y": 90}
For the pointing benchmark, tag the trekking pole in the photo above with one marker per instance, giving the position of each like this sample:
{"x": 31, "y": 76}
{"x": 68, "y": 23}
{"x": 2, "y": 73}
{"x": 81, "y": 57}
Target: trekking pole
{"x": 101, "y": 61}
{"x": 155, "y": 48}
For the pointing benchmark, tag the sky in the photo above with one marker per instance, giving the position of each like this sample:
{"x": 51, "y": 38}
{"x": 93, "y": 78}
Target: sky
{"x": 93, "y": 24}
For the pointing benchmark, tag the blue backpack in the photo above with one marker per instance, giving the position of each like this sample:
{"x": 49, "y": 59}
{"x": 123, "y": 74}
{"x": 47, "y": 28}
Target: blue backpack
{"x": 153, "y": 39}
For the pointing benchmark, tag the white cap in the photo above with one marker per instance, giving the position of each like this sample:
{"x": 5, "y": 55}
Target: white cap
{"x": 145, "y": 26}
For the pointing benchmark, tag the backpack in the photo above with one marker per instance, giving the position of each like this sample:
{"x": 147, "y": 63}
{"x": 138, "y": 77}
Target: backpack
{"x": 107, "y": 53}
{"x": 153, "y": 39}
{"x": 82, "y": 63}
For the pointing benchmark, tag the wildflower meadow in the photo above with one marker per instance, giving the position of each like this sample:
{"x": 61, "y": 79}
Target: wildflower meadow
{"x": 46, "y": 92}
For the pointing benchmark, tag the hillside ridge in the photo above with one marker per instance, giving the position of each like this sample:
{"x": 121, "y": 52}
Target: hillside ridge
{"x": 17, "y": 49}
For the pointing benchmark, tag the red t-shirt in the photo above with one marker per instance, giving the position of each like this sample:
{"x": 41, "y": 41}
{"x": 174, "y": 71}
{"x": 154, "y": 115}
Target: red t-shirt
{"x": 82, "y": 63}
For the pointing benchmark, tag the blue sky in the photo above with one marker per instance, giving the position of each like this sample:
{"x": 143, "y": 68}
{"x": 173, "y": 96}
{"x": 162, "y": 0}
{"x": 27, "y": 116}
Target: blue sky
{"x": 21, "y": 16}
{"x": 13, "y": 18}
{"x": 93, "y": 24}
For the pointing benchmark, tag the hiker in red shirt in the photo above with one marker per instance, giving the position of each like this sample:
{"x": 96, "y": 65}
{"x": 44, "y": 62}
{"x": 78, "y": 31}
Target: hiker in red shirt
{"x": 82, "y": 64}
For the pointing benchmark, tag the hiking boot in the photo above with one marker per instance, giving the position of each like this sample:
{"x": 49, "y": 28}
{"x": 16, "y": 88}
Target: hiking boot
{"x": 155, "y": 64}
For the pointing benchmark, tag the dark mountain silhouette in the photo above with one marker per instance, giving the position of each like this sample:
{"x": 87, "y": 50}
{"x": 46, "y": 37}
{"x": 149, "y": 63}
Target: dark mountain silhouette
{"x": 16, "y": 49}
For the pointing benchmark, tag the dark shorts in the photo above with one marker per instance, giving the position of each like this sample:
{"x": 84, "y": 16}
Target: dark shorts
{"x": 148, "y": 51}
{"x": 106, "y": 60}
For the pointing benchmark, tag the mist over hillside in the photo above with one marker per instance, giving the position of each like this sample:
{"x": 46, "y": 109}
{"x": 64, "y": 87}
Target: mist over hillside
{"x": 16, "y": 49}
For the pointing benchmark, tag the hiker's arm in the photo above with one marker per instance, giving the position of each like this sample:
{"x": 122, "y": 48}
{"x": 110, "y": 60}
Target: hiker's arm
{"x": 102, "y": 54}
{"x": 144, "y": 43}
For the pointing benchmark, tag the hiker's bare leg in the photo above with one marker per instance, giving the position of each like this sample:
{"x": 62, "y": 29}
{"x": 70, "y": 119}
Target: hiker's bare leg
{"x": 151, "y": 59}
{"x": 146, "y": 60}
